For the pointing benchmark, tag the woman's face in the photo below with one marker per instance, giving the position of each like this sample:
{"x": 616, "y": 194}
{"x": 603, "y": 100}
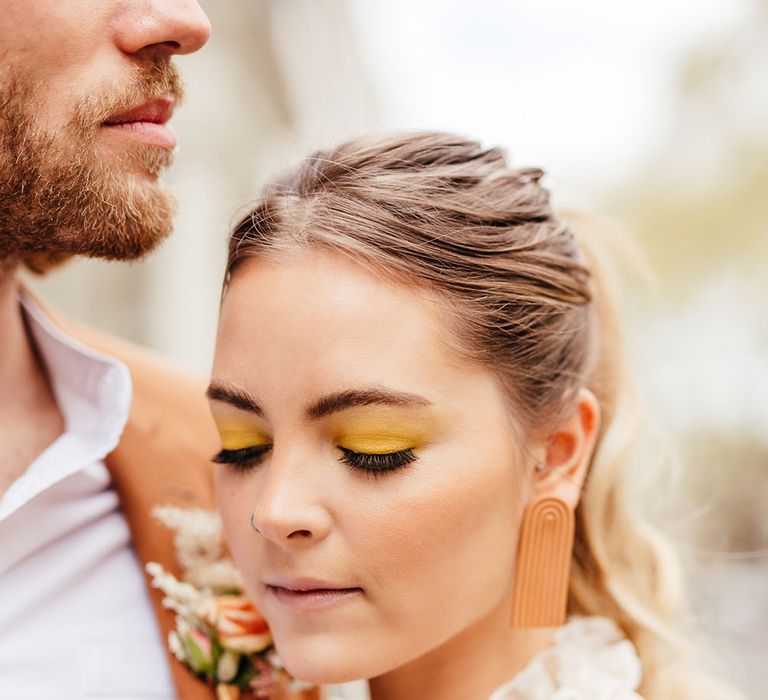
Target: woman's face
{"x": 379, "y": 468}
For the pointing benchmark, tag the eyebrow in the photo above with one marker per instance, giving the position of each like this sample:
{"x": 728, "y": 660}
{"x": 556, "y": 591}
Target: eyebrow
{"x": 234, "y": 397}
{"x": 333, "y": 403}
{"x": 353, "y": 398}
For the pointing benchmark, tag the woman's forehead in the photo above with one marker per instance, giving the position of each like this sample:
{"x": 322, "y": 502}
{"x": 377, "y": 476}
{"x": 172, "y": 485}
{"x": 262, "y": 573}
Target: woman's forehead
{"x": 320, "y": 323}
{"x": 329, "y": 302}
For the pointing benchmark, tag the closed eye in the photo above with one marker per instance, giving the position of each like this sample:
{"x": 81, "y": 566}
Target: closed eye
{"x": 243, "y": 458}
{"x": 377, "y": 464}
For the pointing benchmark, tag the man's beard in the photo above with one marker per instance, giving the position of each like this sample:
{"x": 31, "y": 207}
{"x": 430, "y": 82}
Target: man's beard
{"x": 61, "y": 195}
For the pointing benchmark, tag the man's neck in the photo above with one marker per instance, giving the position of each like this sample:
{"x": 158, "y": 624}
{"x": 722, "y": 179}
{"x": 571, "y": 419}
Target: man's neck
{"x": 14, "y": 345}
{"x": 29, "y": 417}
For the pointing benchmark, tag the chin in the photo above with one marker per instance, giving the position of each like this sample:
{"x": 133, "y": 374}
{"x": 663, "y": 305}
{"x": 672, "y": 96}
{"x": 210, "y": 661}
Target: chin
{"x": 322, "y": 660}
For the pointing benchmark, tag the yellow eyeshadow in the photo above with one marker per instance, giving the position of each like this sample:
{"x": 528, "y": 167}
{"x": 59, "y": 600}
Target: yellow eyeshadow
{"x": 236, "y": 438}
{"x": 376, "y": 444}
{"x": 381, "y": 434}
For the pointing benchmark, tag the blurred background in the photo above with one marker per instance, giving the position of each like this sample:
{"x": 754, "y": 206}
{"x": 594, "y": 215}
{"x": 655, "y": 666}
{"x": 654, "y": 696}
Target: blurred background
{"x": 651, "y": 113}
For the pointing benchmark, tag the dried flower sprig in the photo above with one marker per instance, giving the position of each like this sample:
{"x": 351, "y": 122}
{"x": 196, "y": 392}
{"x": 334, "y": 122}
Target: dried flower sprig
{"x": 220, "y": 635}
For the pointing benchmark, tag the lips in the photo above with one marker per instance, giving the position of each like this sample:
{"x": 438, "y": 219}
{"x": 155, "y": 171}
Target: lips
{"x": 146, "y": 123}
{"x": 309, "y": 594}
{"x": 157, "y": 111}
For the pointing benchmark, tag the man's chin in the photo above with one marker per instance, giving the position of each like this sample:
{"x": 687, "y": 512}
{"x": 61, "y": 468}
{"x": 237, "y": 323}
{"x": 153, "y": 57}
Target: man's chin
{"x": 123, "y": 218}
{"x": 118, "y": 248}
{"x": 142, "y": 162}
{"x": 136, "y": 229}
{"x": 130, "y": 211}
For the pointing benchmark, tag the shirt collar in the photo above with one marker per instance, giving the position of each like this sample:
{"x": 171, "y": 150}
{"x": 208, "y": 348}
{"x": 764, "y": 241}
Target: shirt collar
{"x": 93, "y": 392}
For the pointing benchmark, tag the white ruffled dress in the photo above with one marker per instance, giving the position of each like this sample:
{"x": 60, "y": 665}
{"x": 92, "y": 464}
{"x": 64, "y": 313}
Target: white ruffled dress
{"x": 590, "y": 660}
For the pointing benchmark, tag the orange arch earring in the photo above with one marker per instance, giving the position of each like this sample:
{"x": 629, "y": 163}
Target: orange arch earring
{"x": 545, "y": 549}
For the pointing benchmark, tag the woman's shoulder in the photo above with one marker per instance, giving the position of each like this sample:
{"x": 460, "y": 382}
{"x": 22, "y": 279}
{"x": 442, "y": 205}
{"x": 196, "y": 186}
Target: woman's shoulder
{"x": 590, "y": 660}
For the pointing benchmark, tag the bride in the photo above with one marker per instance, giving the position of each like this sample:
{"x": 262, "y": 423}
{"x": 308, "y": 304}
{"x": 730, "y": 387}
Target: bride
{"x": 424, "y": 419}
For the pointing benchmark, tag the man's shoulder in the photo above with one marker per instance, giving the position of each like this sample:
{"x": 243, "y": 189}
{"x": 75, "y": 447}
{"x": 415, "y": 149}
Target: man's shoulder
{"x": 152, "y": 375}
{"x": 157, "y": 382}
{"x": 169, "y": 413}
{"x": 170, "y": 432}
{"x": 162, "y": 391}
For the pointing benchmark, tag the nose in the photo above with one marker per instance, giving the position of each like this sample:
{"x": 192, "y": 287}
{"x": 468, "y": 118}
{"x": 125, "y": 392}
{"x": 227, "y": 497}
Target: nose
{"x": 163, "y": 27}
{"x": 289, "y": 509}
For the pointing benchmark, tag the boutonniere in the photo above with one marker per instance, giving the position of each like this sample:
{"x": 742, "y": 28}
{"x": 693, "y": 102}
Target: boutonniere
{"x": 220, "y": 635}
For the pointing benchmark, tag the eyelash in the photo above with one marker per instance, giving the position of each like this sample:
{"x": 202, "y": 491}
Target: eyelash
{"x": 373, "y": 464}
{"x": 376, "y": 464}
{"x": 243, "y": 459}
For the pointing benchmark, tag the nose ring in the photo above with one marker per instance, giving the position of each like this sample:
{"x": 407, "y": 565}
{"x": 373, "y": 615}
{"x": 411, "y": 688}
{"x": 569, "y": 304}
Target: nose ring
{"x": 253, "y": 525}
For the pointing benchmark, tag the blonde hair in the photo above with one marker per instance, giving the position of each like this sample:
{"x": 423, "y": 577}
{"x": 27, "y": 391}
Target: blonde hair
{"x": 527, "y": 299}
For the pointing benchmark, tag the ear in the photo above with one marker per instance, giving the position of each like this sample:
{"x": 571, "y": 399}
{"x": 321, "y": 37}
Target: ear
{"x": 568, "y": 452}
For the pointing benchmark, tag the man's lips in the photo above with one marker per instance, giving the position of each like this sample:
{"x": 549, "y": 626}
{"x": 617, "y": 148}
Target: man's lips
{"x": 146, "y": 122}
{"x": 157, "y": 111}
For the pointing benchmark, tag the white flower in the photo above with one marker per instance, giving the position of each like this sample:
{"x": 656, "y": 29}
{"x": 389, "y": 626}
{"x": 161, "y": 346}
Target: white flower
{"x": 175, "y": 645}
{"x": 183, "y": 598}
{"x": 227, "y": 666}
{"x": 220, "y": 577}
{"x": 198, "y": 536}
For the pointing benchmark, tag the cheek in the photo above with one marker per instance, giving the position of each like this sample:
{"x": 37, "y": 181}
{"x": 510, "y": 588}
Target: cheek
{"x": 235, "y": 504}
{"x": 447, "y": 543}
{"x": 76, "y": 58}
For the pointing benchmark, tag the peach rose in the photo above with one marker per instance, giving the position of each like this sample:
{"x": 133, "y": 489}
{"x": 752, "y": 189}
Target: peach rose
{"x": 240, "y": 626}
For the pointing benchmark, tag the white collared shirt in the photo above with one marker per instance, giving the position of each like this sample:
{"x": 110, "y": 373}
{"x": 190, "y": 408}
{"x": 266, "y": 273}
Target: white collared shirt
{"x": 75, "y": 616}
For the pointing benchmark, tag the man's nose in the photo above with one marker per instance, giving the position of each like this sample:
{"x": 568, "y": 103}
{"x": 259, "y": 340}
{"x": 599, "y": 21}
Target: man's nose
{"x": 163, "y": 27}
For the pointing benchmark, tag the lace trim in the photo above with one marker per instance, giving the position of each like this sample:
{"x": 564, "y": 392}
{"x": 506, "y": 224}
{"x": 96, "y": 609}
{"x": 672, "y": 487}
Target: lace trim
{"x": 590, "y": 660}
